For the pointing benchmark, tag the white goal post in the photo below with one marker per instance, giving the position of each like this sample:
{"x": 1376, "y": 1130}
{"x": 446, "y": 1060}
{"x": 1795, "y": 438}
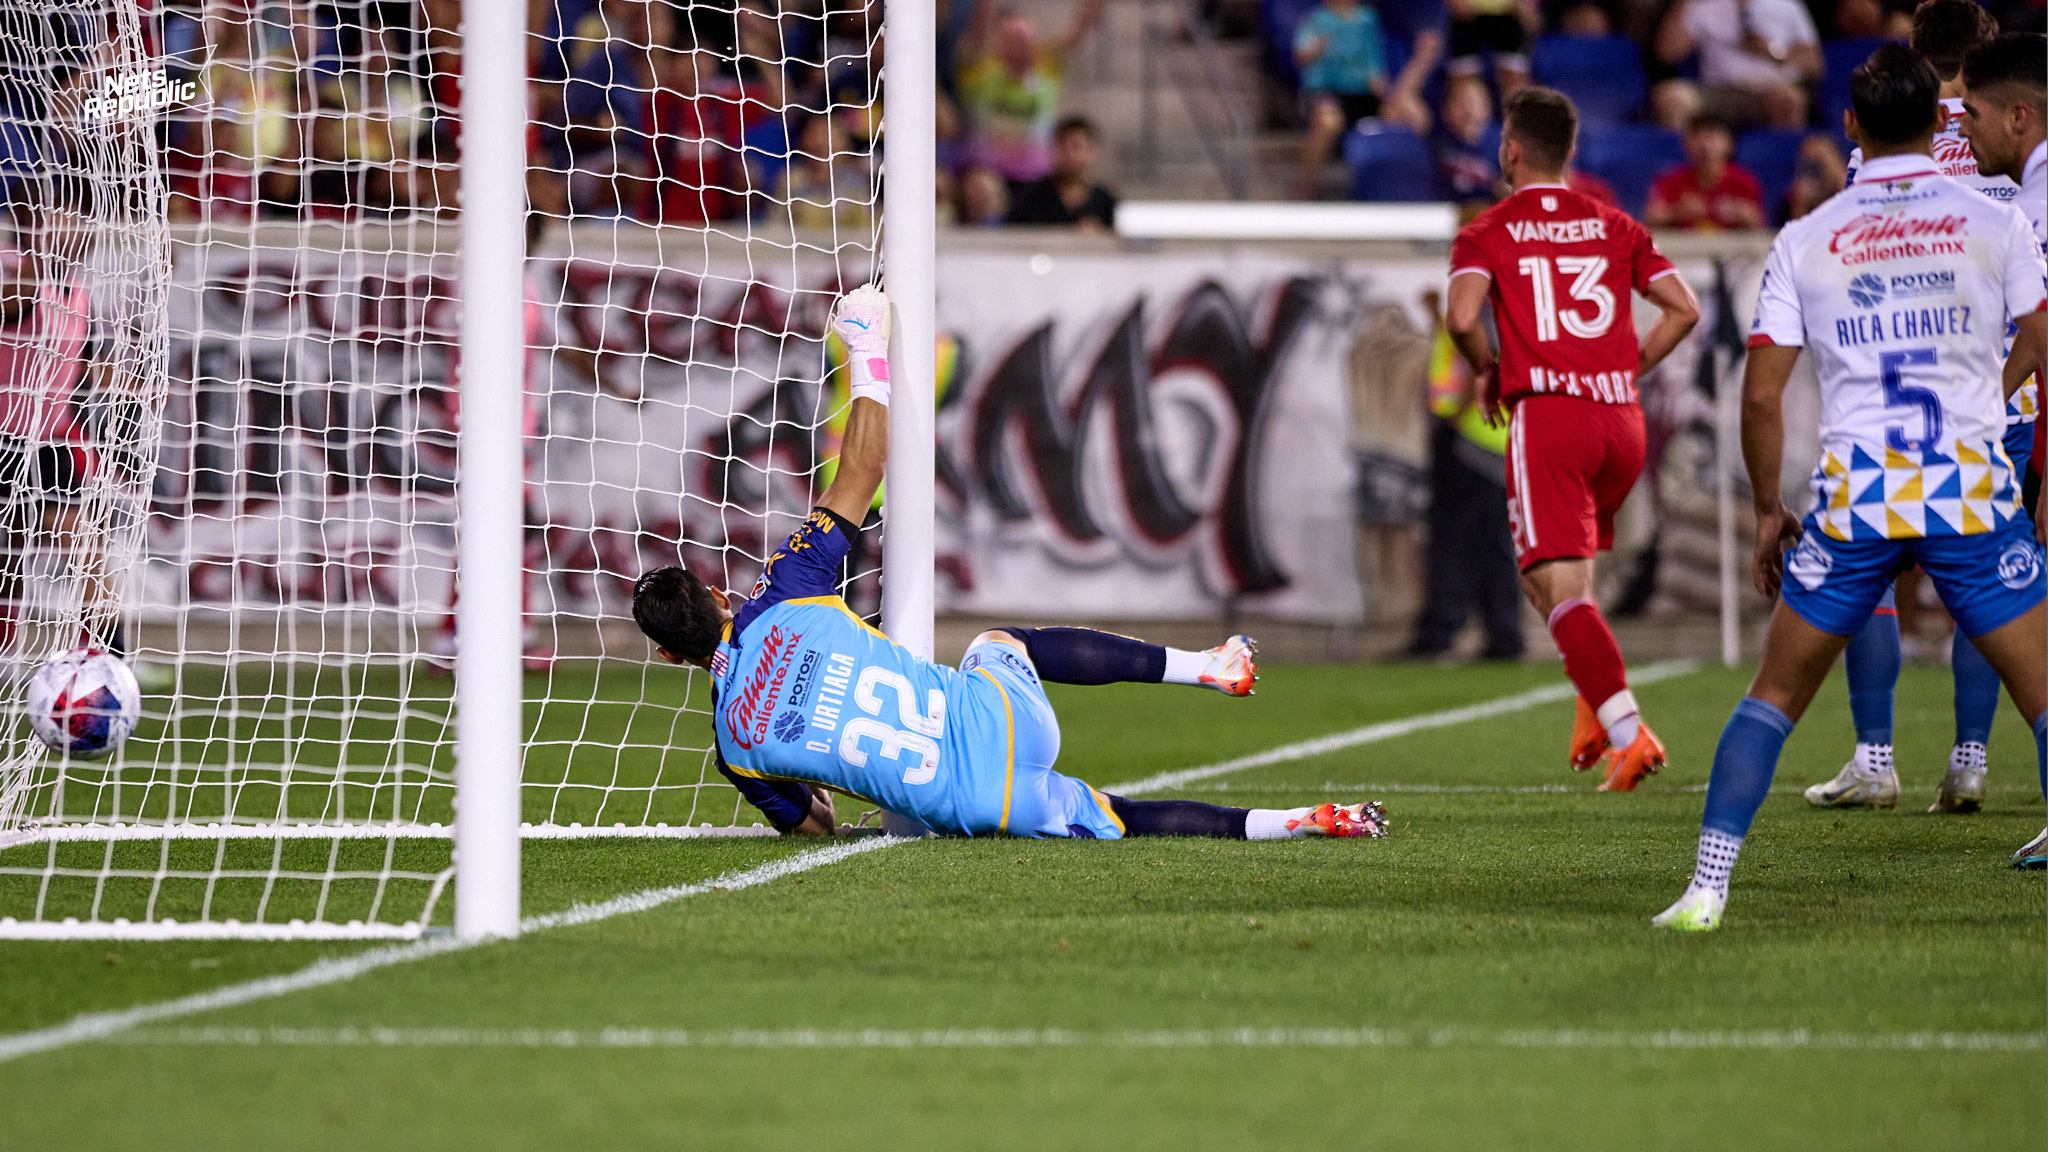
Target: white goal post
{"x": 455, "y": 329}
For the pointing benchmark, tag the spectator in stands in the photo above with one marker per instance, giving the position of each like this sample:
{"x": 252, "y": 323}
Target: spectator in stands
{"x": 427, "y": 183}
{"x": 1069, "y": 195}
{"x": 1674, "y": 101}
{"x": 246, "y": 154}
{"x": 1009, "y": 87}
{"x": 1468, "y": 164}
{"x": 1496, "y": 28}
{"x": 365, "y": 120}
{"x": 1342, "y": 54}
{"x": 1756, "y": 56}
{"x": 826, "y": 186}
{"x": 694, "y": 138}
{"x": 1709, "y": 191}
{"x": 607, "y": 176}
{"x": 1821, "y": 173}
{"x": 1859, "y": 19}
{"x": 984, "y": 198}
{"x": 1585, "y": 18}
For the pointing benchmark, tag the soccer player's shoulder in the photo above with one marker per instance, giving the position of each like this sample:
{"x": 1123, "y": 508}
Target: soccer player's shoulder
{"x": 1483, "y": 228}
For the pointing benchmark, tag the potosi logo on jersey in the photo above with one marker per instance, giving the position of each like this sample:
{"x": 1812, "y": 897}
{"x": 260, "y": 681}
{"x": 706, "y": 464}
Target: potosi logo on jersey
{"x": 1871, "y": 237}
{"x": 746, "y": 718}
{"x": 1867, "y": 290}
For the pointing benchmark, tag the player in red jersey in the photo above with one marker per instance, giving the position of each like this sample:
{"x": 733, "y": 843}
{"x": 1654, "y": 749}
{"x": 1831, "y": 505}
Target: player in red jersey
{"x": 1559, "y": 268}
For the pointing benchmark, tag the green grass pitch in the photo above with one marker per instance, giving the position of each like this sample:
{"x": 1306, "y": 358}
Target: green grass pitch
{"x": 1496, "y": 906}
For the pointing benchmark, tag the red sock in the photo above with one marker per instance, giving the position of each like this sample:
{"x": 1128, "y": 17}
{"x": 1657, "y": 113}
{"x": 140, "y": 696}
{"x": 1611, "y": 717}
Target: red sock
{"x": 1591, "y": 657}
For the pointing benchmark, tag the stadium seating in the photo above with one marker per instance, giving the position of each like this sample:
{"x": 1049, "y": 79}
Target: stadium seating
{"x": 1772, "y": 156}
{"x": 1277, "y": 21}
{"x": 1389, "y": 163}
{"x": 1629, "y": 156}
{"x": 1832, "y": 92}
{"x": 1604, "y": 77}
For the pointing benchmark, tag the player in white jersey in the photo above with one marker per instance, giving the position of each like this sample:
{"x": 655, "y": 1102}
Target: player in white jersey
{"x": 2005, "y": 119}
{"x": 1900, "y": 287}
{"x": 1945, "y": 32}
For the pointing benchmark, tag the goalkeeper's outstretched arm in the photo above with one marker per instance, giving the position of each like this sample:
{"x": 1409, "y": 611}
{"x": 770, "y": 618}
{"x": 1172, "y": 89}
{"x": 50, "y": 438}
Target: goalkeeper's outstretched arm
{"x": 861, "y": 319}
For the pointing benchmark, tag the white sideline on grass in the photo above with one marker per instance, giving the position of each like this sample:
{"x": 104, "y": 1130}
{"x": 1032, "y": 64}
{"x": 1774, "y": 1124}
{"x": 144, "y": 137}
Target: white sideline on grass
{"x": 1373, "y": 733}
{"x": 1794, "y": 1038}
{"x": 104, "y": 1025}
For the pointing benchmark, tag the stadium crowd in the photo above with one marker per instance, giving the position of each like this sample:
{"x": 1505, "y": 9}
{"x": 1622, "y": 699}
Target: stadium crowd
{"x": 652, "y": 110}
{"x": 1698, "y": 114}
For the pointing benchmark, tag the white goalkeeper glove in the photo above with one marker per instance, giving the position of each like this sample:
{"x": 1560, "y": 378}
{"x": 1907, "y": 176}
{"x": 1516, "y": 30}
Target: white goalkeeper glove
{"x": 861, "y": 318}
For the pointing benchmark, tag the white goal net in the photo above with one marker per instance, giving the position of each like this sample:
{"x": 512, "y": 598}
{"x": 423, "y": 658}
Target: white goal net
{"x": 271, "y": 425}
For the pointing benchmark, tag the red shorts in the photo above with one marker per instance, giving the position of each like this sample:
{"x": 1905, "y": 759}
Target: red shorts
{"x": 1571, "y": 462}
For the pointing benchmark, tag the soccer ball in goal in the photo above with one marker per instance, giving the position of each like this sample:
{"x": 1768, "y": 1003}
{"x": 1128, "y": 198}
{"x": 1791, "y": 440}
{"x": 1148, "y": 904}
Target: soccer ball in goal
{"x": 327, "y": 436}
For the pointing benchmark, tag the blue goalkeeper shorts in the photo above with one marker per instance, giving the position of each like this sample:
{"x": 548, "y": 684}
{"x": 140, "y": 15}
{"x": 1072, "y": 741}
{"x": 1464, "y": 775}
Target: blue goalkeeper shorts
{"x": 1987, "y": 581}
{"x": 1036, "y": 801}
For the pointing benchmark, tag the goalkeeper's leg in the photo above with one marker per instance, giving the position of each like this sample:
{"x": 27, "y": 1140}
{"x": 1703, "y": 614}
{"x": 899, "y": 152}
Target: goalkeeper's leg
{"x": 1086, "y": 656}
{"x": 1189, "y": 818}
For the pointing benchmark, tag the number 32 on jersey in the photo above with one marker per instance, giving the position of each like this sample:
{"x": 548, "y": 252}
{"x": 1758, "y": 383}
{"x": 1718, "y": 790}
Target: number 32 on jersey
{"x": 919, "y": 731}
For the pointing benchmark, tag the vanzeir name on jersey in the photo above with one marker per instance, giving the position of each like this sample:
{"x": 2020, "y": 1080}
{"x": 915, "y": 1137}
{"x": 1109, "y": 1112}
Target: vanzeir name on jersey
{"x": 1558, "y": 231}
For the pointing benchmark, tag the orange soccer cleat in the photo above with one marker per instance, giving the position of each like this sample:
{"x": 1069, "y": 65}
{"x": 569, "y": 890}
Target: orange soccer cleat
{"x": 1367, "y": 819}
{"x": 1644, "y": 755}
{"x": 1589, "y": 738}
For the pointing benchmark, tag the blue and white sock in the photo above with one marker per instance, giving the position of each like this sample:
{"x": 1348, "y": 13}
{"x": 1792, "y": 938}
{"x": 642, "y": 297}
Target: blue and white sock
{"x": 1744, "y": 762}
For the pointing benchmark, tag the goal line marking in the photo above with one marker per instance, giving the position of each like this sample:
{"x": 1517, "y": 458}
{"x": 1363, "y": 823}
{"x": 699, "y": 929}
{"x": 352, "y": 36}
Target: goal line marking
{"x": 1391, "y": 729}
{"x": 336, "y": 970}
{"x": 1794, "y": 1038}
{"x": 1372, "y": 786}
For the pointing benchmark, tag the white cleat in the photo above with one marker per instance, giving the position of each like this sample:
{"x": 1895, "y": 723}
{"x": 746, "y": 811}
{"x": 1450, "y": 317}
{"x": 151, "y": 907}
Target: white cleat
{"x": 1699, "y": 910}
{"x": 1962, "y": 788}
{"x": 2033, "y": 855}
{"x": 1233, "y": 667}
{"x": 861, "y": 319}
{"x": 1853, "y": 787}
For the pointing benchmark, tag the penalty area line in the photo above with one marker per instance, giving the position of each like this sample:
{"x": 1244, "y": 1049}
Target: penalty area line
{"x": 1392, "y": 729}
{"x": 1540, "y": 1038}
{"x": 336, "y": 970}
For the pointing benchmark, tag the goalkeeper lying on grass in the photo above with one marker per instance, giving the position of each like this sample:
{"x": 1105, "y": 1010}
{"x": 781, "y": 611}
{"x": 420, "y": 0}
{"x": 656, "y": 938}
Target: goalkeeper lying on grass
{"x": 810, "y": 698}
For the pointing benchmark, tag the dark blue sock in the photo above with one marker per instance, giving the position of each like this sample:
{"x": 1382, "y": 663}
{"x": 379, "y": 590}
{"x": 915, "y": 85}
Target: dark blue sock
{"x": 1873, "y": 661}
{"x": 1744, "y": 763}
{"x": 2041, "y": 749}
{"x": 1085, "y": 656}
{"x": 1977, "y": 690}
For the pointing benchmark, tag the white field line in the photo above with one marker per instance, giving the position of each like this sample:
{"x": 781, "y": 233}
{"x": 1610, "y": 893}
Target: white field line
{"x": 1793, "y": 1038}
{"x": 1391, "y": 729}
{"x": 336, "y": 970}
{"x": 1370, "y": 787}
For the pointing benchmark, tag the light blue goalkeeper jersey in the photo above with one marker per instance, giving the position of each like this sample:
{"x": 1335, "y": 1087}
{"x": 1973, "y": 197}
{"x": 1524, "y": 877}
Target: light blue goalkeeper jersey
{"x": 807, "y": 691}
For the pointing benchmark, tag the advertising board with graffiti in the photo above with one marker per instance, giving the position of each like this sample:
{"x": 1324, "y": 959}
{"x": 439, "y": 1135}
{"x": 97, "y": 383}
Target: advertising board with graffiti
{"x": 1121, "y": 435}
